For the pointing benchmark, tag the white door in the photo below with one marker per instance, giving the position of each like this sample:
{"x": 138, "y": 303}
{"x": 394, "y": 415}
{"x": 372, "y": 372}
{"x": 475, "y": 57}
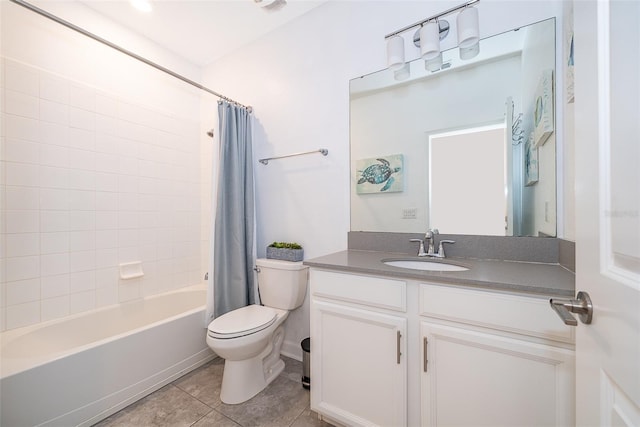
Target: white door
{"x": 607, "y": 140}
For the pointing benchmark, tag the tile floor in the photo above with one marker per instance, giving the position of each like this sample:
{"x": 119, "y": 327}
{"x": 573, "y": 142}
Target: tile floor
{"x": 194, "y": 400}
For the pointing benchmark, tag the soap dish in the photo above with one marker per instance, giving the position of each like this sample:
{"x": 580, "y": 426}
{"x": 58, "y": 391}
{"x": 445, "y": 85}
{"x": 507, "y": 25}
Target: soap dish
{"x": 131, "y": 270}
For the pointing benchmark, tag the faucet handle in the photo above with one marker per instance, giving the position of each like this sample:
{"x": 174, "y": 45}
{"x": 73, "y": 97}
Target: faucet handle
{"x": 441, "y": 247}
{"x": 421, "y": 251}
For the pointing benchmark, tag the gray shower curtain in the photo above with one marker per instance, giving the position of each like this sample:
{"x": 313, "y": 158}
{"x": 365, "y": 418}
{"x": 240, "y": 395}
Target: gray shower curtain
{"x": 233, "y": 260}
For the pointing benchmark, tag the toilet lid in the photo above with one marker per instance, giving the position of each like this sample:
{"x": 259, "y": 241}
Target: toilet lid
{"x": 242, "y": 321}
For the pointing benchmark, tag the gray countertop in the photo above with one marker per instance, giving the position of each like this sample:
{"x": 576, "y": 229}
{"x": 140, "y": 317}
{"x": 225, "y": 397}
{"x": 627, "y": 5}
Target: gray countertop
{"x": 511, "y": 276}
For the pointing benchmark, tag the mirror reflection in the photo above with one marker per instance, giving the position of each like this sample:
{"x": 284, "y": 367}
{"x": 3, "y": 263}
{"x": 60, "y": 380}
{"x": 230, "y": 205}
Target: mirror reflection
{"x": 468, "y": 149}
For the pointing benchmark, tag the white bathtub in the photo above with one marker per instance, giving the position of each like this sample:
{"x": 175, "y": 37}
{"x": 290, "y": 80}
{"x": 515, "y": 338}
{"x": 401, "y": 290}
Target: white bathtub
{"x": 81, "y": 369}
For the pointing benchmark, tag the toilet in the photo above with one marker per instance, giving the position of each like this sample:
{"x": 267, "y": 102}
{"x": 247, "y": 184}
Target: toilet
{"x": 250, "y": 338}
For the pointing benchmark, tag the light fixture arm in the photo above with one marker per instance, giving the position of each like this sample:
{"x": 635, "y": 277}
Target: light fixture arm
{"x": 439, "y": 15}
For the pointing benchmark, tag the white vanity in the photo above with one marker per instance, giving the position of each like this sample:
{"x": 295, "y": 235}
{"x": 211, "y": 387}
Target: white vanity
{"x": 394, "y": 347}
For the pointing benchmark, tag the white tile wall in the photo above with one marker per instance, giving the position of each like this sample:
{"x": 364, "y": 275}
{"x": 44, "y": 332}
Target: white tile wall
{"x": 82, "y": 301}
{"x": 22, "y": 314}
{"x": 20, "y": 221}
{"x": 81, "y": 139}
{"x": 55, "y": 242}
{"x": 22, "y": 174}
{"x": 21, "y": 78}
{"x": 22, "y": 291}
{"x": 21, "y": 198}
{"x": 53, "y": 308}
{"x": 20, "y": 104}
{"x": 54, "y": 88}
{"x": 56, "y": 134}
{"x": 88, "y": 180}
{"x": 22, "y": 268}
{"x": 54, "y": 112}
{"x": 22, "y": 244}
{"x": 21, "y": 151}
{"x": 55, "y": 286}
{"x": 21, "y": 127}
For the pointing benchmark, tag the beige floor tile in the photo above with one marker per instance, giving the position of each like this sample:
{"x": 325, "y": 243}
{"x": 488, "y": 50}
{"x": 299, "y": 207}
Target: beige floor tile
{"x": 216, "y": 419}
{"x": 194, "y": 399}
{"x": 276, "y": 406}
{"x": 168, "y": 406}
{"x": 204, "y": 383}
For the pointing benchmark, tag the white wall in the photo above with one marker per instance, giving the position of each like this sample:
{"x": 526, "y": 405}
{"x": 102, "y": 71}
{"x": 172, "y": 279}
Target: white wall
{"x": 100, "y": 165}
{"x": 297, "y": 80}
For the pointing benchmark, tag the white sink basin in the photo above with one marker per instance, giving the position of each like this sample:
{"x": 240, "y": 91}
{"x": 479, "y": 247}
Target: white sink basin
{"x": 424, "y": 265}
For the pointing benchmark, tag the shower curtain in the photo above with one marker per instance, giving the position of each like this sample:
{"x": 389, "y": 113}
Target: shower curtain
{"x": 234, "y": 230}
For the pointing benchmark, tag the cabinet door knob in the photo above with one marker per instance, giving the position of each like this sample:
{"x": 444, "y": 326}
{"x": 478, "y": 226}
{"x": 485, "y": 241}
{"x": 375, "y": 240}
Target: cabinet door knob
{"x": 398, "y": 353}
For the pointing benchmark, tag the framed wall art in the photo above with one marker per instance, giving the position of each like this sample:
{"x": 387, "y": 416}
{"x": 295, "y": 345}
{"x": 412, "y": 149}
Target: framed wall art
{"x": 530, "y": 162}
{"x": 543, "y": 109}
{"x": 382, "y": 174}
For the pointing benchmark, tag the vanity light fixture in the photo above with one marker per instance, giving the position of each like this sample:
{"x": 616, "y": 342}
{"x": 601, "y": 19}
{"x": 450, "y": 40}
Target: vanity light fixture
{"x": 468, "y": 28}
{"x": 428, "y": 37}
{"x": 395, "y": 53}
{"x": 430, "y": 40}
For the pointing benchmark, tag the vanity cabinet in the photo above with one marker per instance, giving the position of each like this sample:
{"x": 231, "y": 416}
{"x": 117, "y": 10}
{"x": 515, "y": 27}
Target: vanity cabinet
{"x": 358, "y": 339}
{"x": 395, "y": 353}
{"x": 478, "y": 378}
{"x": 493, "y": 359}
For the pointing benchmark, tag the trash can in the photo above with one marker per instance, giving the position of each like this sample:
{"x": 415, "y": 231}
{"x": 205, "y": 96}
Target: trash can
{"x": 306, "y": 363}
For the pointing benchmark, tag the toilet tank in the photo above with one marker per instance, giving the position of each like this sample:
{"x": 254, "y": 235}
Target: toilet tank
{"x": 282, "y": 284}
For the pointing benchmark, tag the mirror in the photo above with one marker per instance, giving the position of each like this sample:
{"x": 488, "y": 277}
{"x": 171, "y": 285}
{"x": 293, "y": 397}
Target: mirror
{"x": 468, "y": 149}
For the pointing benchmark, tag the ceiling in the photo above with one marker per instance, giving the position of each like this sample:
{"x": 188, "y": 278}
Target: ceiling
{"x": 202, "y": 31}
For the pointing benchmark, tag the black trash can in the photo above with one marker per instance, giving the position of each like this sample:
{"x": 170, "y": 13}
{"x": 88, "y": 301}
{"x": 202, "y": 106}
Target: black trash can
{"x": 306, "y": 363}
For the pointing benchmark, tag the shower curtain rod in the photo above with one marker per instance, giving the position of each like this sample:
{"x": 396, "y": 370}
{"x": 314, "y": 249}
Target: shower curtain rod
{"x": 99, "y": 39}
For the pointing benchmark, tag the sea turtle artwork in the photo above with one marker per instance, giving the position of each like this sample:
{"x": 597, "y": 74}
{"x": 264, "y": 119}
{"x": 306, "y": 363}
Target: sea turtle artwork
{"x": 380, "y": 171}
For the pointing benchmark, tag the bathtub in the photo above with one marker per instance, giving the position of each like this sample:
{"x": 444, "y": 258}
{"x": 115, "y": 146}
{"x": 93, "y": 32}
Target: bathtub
{"x": 81, "y": 369}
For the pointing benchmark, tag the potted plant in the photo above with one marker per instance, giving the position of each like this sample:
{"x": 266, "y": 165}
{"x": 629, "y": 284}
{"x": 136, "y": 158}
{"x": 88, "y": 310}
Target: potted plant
{"x": 285, "y": 251}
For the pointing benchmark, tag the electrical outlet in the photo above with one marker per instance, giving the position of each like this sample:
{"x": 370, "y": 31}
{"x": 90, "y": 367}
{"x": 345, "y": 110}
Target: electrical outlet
{"x": 409, "y": 213}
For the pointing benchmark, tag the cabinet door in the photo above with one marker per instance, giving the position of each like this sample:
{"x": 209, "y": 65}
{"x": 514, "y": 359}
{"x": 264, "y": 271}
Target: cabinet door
{"x": 481, "y": 379}
{"x": 358, "y": 365}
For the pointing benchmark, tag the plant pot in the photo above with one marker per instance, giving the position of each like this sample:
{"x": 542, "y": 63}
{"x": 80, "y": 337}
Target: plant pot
{"x": 285, "y": 254}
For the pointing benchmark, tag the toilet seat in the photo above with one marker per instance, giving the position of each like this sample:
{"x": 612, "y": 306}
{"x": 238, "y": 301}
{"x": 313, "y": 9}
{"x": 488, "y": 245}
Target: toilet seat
{"x": 242, "y": 321}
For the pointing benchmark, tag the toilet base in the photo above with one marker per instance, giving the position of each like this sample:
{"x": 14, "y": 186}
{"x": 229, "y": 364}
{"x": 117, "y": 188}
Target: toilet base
{"x": 243, "y": 379}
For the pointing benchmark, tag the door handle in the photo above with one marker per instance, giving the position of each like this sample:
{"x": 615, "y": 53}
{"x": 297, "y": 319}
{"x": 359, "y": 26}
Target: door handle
{"x": 582, "y": 306}
{"x": 398, "y": 353}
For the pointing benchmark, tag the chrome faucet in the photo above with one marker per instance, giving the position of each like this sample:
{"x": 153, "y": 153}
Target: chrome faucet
{"x": 429, "y": 238}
